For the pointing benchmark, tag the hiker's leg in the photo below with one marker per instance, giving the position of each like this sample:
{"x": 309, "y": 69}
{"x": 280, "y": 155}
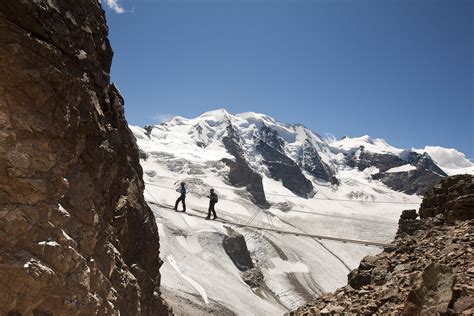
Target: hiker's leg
{"x": 184, "y": 203}
{"x": 176, "y": 204}
{"x": 213, "y": 210}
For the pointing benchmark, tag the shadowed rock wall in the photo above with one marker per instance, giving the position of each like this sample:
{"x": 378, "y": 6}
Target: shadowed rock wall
{"x": 76, "y": 236}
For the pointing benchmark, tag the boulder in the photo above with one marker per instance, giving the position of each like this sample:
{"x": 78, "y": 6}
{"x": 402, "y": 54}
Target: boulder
{"x": 409, "y": 214}
{"x": 236, "y": 248}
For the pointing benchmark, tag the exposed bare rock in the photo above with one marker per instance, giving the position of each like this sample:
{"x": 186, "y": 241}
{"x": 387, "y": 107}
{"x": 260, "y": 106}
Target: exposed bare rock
{"x": 452, "y": 198}
{"x": 427, "y": 271}
{"x": 422, "y": 178}
{"x": 311, "y": 161}
{"x": 240, "y": 173}
{"x": 76, "y": 236}
{"x": 433, "y": 291}
{"x": 280, "y": 166}
{"x": 407, "y": 224}
{"x": 409, "y": 214}
{"x": 236, "y": 248}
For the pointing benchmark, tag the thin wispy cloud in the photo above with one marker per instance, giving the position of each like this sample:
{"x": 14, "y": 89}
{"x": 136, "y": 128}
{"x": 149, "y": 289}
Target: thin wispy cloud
{"x": 115, "y": 6}
{"x": 162, "y": 117}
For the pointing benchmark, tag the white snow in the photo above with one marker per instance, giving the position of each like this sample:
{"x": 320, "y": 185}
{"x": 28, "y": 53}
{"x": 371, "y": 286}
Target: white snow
{"x": 282, "y": 267}
{"x": 193, "y": 283}
{"x": 373, "y": 145}
{"x": 191, "y": 244}
{"x": 404, "y": 168}
{"x": 449, "y": 159}
{"x": 198, "y": 270}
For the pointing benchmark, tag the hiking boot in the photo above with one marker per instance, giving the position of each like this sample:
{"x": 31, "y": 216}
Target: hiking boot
{"x": 214, "y": 217}
{"x": 207, "y": 218}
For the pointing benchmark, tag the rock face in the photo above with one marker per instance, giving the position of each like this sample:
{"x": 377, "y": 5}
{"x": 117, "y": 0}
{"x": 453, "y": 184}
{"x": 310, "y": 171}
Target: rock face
{"x": 280, "y": 166}
{"x": 452, "y": 200}
{"x": 311, "y": 161}
{"x": 425, "y": 174}
{"x": 427, "y": 271}
{"x": 236, "y": 248}
{"x": 76, "y": 236}
{"x": 240, "y": 173}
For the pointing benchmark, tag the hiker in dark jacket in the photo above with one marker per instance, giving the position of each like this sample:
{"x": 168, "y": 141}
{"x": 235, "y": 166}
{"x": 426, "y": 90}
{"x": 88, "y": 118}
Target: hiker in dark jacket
{"x": 212, "y": 201}
{"x": 182, "y": 198}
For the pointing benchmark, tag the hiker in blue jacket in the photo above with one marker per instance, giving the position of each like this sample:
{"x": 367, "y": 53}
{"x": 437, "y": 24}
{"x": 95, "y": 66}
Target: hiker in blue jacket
{"x": 212, "y": 202}
{"x": 182, "y": 198}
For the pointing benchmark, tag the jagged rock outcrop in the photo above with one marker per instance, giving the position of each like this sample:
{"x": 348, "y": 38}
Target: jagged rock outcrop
{"x": 311, "y": 161}
{"x": 416, "y": 181}
{"x": 280, "y": 166}
{"x": 427, "y": 271}
{"x": 407, "y": 223}
{"x": 422, "y": 178}
{"x": 76, "y": 236}
{"x": 365, "y": 159}
{"x": 240, "y": 173}
{"x": 451, "y": 200}
{"x": 236, "y": 248}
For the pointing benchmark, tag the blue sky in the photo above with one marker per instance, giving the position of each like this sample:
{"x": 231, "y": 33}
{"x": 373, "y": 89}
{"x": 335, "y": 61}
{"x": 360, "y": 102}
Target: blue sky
{"x": 401, "y": 70}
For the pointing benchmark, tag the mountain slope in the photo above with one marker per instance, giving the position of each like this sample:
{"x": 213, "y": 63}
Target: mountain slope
{"x": 449, "y": 159}
{"x": 272, "y": 175}
{"x": 427, "y": 271}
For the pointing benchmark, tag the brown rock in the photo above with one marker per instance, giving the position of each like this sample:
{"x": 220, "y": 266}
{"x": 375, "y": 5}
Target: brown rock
{"x": 426, "y": 272}
{"x": 76, "y": 236}
{"x": 409, "y": 214}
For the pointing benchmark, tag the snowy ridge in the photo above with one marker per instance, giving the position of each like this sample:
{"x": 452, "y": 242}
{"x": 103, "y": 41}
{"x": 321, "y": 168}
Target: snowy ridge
{"x": 449, "y": 159}
{"x": 199, "y": 277}
{"x": 373, "y": 145}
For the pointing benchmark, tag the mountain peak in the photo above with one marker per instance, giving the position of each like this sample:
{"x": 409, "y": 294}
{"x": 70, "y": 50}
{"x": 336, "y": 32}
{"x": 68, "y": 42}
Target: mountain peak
{"x": 375, "y": 145}
{"x": 217, "y": 113}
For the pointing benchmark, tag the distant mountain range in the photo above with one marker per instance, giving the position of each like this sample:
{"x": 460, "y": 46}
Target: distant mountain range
{"x": 253, "y": 145}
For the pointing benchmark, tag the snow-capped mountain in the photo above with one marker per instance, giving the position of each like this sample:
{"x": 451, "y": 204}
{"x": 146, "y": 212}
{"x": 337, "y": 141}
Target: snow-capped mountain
{"x": 252, "y": 145}
{"x": 449, "y": 159}
{"x": 277, "y": 176}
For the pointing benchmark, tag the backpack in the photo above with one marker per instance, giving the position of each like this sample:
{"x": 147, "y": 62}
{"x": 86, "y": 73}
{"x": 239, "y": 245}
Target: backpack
{"x": 215, "y": 199}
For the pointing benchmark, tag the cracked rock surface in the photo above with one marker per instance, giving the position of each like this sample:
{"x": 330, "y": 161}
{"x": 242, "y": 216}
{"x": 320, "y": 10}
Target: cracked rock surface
{"x": 76, "y": 236}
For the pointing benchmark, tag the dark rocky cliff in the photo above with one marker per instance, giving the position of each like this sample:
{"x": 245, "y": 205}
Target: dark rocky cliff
{"x": 240, "y": 173}
{"x": 76, "y": 236}
{"x": 425, "y": 174}
{"x": 427, "y": 271}
{"x": 281, "y": 167}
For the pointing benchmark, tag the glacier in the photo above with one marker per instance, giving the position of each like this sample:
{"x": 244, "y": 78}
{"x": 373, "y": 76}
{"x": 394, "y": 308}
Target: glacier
{"x": 355, "y": 188}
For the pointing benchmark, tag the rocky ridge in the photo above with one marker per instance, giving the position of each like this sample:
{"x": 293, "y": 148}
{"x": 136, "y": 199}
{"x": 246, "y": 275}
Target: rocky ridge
{"x": 76, "y": 236}
{"x": 280, "y": 166}
{"x": 424, "y": 175}
{"x": 428, "y": 269}
{"x": 240, "y": 173}
{"x": 257, "y": 147}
